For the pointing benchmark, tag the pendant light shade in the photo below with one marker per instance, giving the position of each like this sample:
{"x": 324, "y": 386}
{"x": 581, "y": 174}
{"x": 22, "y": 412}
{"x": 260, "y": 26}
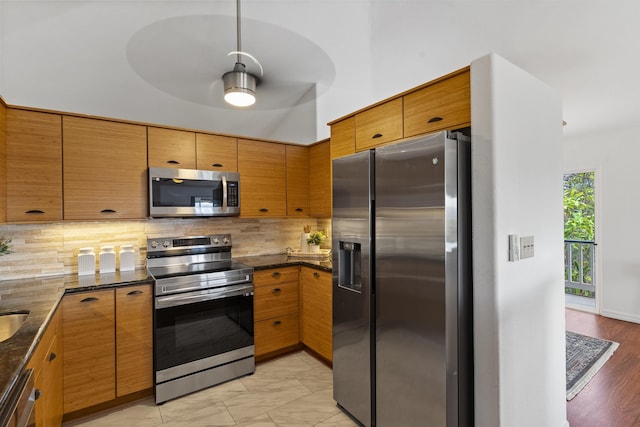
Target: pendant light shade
{"x": 239, "y": 87}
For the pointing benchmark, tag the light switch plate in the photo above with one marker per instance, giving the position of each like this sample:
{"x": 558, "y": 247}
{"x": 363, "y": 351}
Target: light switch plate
{"x": 526, "y": 247}
{"x": 514, "y": 248}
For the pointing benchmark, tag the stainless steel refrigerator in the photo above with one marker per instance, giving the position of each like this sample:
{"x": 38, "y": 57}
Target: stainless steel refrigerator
{"x": 402, "y": 303}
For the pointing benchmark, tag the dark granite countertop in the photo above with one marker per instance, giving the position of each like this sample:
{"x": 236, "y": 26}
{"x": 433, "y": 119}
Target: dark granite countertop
{"x": 262, "y": 262}
{"x": 41, "y": 297}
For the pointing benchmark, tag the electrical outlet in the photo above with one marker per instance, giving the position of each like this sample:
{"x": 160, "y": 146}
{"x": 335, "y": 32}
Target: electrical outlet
{"x": 526, "y": 247}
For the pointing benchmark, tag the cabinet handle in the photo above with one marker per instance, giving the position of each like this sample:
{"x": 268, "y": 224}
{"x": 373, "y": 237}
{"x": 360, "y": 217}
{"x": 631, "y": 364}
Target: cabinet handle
{"x": 52, "y": 356}
{"x": 264, "y": 210}
{"x": 275, "y": 274}
{"x": 276, "y": 290}
{"x": 377, "y": 135}
{"x": 217, "y": 165}
{"x": 299, "y": 209}
{"x": 173, "y": 162}
{"x": 34, "y": 211}
{"x": 36, "y": 394}
{"x": 107, "y": 211}
{"x": 134, "y": 292}
{"x": 276, "y": 323}
{"x": 316, "y": 274}
{"x": 434, "y": 119}
{"x": 90, "y": 299}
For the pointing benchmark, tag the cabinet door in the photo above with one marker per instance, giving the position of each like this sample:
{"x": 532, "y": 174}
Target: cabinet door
{"x": 297, "y": 180}
{"x": 263, "y": 183}
{"x": 34, "y": 166}
{"x": 105, "y": 169}
{"x": 379, "y": 125}
{"x": 46, "y": 362}
{"x": 343, "y": 138}
{"x": 216, "y": 153}
{"x": 134, "y": 339}
{"x": 170, "y": 148}
{"x": 89, "y": 349}
{"x": 316, "y": 311}
{"x": 445, "y": 104}
{"x": 52, "y": 385}
{"x": 320, "y": 180}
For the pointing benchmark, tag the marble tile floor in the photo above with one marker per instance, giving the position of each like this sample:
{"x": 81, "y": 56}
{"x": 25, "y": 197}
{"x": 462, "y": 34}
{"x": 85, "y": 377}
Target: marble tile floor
{"x": 291, "y": 391}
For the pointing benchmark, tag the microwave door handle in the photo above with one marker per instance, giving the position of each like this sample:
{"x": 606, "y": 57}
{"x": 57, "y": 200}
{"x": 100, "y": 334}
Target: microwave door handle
{"x": 224, "y": 193}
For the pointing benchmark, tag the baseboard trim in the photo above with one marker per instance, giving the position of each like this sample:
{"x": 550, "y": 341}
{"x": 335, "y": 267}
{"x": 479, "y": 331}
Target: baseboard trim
{"x": 620, "y": 316}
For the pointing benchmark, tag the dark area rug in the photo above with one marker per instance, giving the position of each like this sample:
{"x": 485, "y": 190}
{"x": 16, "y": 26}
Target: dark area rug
{"x": 585, "y": 356}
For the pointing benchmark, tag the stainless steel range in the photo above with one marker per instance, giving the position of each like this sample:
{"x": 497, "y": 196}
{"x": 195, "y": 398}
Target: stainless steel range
{"x": 203, "y": 314}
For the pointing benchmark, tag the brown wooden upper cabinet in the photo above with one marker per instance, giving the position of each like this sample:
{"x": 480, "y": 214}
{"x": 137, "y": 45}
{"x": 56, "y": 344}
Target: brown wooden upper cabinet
{"x": 378, "y": 125}
{"x": 34, "y": 166}
{"x": 216, "y": 152}
{"x": 171, "y": 148}
{"x": 320, "y": 180}
{"x": 105, "y": 169}
{"x": 263, "y": 181}
{"x": 343, "y": 138}
{"x": 297, "y": 180}
{"x": 443, "y": 105}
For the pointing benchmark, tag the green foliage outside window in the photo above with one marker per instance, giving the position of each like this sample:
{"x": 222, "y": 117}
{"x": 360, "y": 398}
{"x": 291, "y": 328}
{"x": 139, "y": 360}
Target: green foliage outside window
{"x": 579, "y": 224}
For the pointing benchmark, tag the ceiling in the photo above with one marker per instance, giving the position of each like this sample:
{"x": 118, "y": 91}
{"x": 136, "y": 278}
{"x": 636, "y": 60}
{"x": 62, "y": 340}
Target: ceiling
{"x": 161, "y": 61}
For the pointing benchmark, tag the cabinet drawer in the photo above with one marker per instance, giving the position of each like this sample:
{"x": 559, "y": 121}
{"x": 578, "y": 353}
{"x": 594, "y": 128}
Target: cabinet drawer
{"x": 275, "y": 334}
{"x": 379, "y": 125}
{"x": 443, "y": 105}
{"x": 275, "y": 300}
{"x": 275, "y": 276}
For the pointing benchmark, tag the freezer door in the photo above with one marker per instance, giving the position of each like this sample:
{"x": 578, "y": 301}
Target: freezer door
{"x": 352, "y": 297}
{"x": 416, "y": 285}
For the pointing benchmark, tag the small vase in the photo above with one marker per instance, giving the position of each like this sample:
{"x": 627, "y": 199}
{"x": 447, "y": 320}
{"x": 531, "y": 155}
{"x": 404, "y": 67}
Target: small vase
{"x": 314, "y": 249}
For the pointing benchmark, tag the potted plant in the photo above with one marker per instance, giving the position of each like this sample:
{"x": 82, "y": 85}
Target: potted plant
{"x": 315, "y": 240}
{"x": 5, "y": 246}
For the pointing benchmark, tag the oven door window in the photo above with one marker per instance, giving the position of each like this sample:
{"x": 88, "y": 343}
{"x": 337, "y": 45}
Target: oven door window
{"x": 191, "y": 332}
{"x": 179, "y": 193}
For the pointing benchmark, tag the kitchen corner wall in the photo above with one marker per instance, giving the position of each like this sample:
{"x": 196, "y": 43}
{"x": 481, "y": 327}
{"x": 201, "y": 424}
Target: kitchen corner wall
{"x": 51, "y": 249}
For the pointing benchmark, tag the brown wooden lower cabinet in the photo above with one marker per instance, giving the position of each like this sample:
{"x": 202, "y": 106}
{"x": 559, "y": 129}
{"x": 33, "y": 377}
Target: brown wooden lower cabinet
{"x": 89, "y": 349}
{"x": 107, "y": 345}
{"x": 46, "y": 362}
{"x": 316, "y": 311}
{"x": 276, "y": 334}
{"x": 134, "y": 339}
{"x": 275, "y": 305}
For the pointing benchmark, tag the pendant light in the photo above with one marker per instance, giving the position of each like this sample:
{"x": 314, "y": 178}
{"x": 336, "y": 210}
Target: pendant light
{"x": 239, "y": 85}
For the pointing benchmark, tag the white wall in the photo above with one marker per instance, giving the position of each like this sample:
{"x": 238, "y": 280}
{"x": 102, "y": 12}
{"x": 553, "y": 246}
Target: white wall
{"x": 518, "y": 306}
{"x": 614, "y": 156}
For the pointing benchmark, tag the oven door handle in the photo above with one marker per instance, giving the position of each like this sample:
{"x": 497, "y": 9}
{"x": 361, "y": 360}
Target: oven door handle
{"x": 190, "y": 298}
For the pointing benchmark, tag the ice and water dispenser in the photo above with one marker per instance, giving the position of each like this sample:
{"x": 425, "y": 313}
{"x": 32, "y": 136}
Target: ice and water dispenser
{"x": 349, "y": 266}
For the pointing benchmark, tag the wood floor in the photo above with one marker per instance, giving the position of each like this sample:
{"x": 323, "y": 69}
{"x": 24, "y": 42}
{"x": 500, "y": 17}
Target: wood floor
{"x": 612, "y": 397}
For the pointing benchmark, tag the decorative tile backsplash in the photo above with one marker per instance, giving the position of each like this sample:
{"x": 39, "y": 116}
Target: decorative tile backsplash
{"x": 51, "y": 249}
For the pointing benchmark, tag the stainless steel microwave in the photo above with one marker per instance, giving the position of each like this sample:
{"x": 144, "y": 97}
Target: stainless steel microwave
{"x": 193, "y": 193}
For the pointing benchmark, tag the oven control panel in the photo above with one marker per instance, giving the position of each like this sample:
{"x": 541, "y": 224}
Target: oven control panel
{"x": 161, "y": 244}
